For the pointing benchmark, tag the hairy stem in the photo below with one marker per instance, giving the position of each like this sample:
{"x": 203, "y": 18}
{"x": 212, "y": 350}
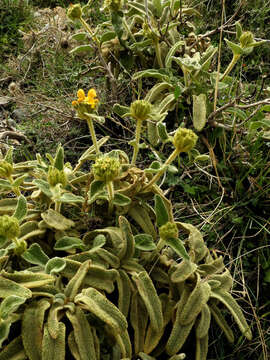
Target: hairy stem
{"x": 93, "y": 133}
{"x": 158, "y": 54}
{"x": 170, "y": 159}
{"x": 231, "y": 65}
{"x": 137, "y": 141}
{"x": 110, "y": 190}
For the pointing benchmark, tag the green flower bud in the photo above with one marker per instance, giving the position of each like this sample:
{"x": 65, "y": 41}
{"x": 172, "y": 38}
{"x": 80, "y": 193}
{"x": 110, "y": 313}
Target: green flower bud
{"x": 184, "y": 140}
{"x": 140, "y": 110}
{"x": 6, "y": 169}
{"x": 150, "y": 32}
{"x": 9, "y": 227}
{"x": 74, "y": 12}
{"x": 106, "y": 168}
{"x": 20, "y": 247}
{"x": 56, "y": 176}
{"x": 246, "y": 39}
{"x": 112, "y": 5}
{"x": 168, "y": 231}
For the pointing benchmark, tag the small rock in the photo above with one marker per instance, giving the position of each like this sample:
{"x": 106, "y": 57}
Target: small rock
{"x": 5, "y": 100}
{"x": 11, "y": 123}
{"x": 19, "y": 115}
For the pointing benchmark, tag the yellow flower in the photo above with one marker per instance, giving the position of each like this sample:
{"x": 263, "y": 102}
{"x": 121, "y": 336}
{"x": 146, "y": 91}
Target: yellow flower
{"x": 91, "y": 100}
{"x": 81, "y": 95}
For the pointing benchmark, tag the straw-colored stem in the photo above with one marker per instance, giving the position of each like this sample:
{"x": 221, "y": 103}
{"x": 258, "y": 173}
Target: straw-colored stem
{"x": 170, "y": 159}
{"x": 137, "y": 142}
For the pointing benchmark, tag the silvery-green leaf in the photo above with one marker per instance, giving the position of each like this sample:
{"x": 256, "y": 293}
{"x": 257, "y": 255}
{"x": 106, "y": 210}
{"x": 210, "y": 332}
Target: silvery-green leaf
{"x": 239, "y": 30}
{"x": 9, "y": 287}
{"x": 82, "y": 48}
{"x": 4, "y": 331}
{"x": 236, "y": 49}
{"x": 57, "y": 221}
{"x": 8, "y": 205}
{"x": 178, "y": 246}
{"x": 19, "y": 180}
{"x": 10, "y": 304}
{"x": 199, "y": 111}
{"x": 35, "y": 255}
{"x": 144, "y": 242}
{"x": 173, "y": 49}
{"x": 59, "y": 158}
{"x": 121, "y": 200}
{"x": 162, "y": 215}
{"x": 69, "y": 242}
{"x": 43, "y": 186}
{"x": 5, "y": 184}
{"x": 71, "y": 198}
{"x": 55, "y": 265}
{"x": 21, "y": 209}
{"x": 107, "y": 36}
{"x": 81, "y": 36}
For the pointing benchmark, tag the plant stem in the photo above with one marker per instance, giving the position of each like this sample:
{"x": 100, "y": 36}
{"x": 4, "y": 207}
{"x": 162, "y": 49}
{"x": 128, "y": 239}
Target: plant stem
{"x": 88, "y": 29}
{"x": 93, "y": 133}
{"x": 103, "y": 61}
{"x": 235, "y": 58}
{"x": 170, "y": 159}
{"x": 137, "y": 139}
{"x": 110, "y": 190}
{"x": 57, "y": 206}
{"x": 158, "y": 54}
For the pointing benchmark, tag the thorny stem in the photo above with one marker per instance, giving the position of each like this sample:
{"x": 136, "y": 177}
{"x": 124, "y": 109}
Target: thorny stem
{"x": 110, "y": 190}
{"x": 93, "y": 133}
{"x": 235, "y": 58}
{"x": 137, "y": 141}
{"x": 170, "y": 159}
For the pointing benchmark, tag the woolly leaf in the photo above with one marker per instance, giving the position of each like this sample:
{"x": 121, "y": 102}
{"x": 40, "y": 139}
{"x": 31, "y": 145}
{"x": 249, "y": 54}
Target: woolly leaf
{"x": 144, "y": 242}
{"x": 35, "y": 255}
{"x": 10, "y": 304}
{"x": 55, "y": 265}
{"x": 69, "y": 242}
{"x": 161, "y": 211}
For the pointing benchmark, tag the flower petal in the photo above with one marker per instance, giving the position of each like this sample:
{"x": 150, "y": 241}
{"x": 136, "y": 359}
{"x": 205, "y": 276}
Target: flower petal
{"x": 81, "y": 95}
{"x": 91, "y": 93}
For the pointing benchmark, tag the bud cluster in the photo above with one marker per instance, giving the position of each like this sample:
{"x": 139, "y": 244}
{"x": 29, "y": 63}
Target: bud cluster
{"x": 184, "y": 140}
{"x": 9, "y": 227}
{"x": 168, "y": 231}
{"x": 106, "y": 168}
{"x": 6, "y": 169}
{"x": 74, "y": 12}
{"x": 112, "y": 5}
{"x": 56, "y": 176}
{"x": 140, "y": 110}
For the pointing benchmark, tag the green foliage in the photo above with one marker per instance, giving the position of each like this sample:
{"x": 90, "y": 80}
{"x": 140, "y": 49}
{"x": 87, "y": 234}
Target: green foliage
{"x": 15, "y": 15}
{"x": 103, "y": 281}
